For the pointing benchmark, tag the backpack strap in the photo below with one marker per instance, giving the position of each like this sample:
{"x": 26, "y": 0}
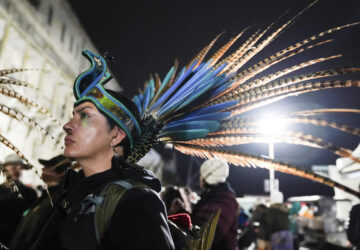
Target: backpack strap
{"x": 112, "y": 194}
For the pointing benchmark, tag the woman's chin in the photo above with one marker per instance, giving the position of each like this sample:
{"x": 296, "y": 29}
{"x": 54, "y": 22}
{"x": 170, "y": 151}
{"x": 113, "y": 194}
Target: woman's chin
{"x": 69, "y": 153}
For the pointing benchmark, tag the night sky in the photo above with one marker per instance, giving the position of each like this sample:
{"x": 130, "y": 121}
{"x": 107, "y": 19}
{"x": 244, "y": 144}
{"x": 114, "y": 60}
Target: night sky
{"x": 147, "y": 36}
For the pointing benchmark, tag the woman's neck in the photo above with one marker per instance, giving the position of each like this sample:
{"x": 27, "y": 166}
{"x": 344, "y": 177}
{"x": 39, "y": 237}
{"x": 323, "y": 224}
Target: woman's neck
{"x": 96, "y": 164}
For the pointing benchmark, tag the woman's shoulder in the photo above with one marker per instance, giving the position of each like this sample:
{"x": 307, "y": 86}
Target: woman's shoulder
{"x": 130, "y": 191}
{"x": 141, "y": 193}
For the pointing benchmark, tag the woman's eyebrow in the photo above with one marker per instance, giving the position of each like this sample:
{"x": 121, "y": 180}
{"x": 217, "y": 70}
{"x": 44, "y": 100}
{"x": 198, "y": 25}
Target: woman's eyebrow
{"x": 82, "y": 109}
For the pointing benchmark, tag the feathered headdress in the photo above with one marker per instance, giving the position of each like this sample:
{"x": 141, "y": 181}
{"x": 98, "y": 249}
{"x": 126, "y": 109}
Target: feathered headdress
{"x": 88, "y": 86}
{"x": 202, "y": 109}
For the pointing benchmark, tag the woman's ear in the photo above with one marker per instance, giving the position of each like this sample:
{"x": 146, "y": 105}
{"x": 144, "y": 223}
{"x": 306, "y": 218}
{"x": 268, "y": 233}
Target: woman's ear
{"x": 118, "y": 136}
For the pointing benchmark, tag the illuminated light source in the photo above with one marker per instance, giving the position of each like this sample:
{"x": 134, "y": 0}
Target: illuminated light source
{"x": 271, "y": 125}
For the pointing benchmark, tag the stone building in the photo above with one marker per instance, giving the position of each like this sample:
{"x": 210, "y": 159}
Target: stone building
{"x": 45, "y": 36}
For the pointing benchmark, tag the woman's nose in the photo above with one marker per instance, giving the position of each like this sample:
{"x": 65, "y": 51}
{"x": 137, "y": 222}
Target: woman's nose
{"x": 68, "y": 127}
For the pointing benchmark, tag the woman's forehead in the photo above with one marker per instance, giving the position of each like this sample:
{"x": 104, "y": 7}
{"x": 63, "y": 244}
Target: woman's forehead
{"x": 84, "y": 105}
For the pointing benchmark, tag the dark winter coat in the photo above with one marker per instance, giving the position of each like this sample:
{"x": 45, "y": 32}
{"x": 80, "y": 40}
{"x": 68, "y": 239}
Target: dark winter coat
{"x": 33, "y": 217}
{"x": 139, "y": 221}
{"x": 12, "y": 207}
{"x": 216, "y": 197}
{"x": 258, "y": 221}
{"x": 276, "y": 218}
{"x": 353, "y": 230}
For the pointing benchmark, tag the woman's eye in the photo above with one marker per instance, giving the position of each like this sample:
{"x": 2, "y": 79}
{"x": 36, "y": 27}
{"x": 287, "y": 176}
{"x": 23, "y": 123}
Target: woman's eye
{"x": 83, "y": 115}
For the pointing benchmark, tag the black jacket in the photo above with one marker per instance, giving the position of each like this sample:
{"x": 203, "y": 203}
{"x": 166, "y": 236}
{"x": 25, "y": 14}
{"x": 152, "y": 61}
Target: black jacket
{"x": 353, "y": 230}
{"x": 139, "y": 221}
{"x": 11, "y": 209}
{"x": 33, "y": 216}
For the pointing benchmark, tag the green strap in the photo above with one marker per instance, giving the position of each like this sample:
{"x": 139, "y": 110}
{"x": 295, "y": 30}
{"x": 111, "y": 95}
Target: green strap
{"x": 112, "y": 193}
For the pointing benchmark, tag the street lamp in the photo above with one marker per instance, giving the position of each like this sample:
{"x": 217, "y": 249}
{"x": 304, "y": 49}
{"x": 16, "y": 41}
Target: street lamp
{"x": 271, "y": 126}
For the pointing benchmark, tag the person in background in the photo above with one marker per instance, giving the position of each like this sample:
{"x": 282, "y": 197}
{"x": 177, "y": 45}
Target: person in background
{"x": 247, "y": 232}
{"x": 52, "y": 174}
{"x": 258, "y": 222}
{"x": 217, "y": 194}
{"x": 293, "y": 226}
{"x": 243, "y": 218}
{"x": 173, "y": 200}
{"x": 277, "y": 221}
{"x": 13, "y": 203}
{"x": 353, "y": 229}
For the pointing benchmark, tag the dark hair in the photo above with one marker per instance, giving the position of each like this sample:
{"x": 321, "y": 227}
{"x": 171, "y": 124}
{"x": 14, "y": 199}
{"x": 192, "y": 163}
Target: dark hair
{"x": 169, "y": 194}
{"x": 125, "y": 143}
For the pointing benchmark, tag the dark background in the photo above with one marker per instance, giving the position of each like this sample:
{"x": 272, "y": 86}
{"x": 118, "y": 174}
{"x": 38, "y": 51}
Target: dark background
{"x": 146, "y": 36}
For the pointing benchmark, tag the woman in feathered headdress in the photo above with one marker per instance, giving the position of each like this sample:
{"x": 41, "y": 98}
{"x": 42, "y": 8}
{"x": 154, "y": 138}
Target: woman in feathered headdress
{"x": 104, "y": 128}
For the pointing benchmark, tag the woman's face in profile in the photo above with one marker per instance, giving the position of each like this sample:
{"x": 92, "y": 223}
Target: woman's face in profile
{"x": 88, "y": 133}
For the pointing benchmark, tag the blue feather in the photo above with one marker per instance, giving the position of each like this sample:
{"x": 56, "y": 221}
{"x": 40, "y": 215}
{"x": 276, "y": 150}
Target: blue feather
{"x": 212, "y": 126}
{"x": 180, "y": 79}
{"x": 214, "y": 108}
{"x": 147, "y": 95}
{"x": 152, "y": 90}
{"x": 141, "y": 99}
{"x": 199, "y": 91}
{"x": 220, "y": 89}
{"x": 225, "y": 80}
{"x": 219, "y": 69}
{"x": 165, "y": 81}
{"x": 168, "y": 92}
{"x": 193, "y": 79}
{"x": 196, "y": 90}
{"x": 185, "y": 90}
{"x": 136, "y": 100}
{"x": 205, "y": 117}
{"x": 185, "y": 135}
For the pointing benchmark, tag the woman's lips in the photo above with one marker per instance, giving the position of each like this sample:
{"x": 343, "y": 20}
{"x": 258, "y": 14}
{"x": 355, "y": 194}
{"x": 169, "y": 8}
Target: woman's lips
{"x": 68, "y": 141}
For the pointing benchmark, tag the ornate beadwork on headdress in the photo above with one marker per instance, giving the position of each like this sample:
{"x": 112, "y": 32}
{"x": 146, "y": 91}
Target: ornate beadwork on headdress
{"x": 88, "y": 86}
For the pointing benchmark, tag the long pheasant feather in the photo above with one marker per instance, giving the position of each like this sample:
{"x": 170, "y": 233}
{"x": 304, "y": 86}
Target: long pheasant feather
{"x": 5, "y": 72}
{"x": 298, "y": 45}
{"x": 27, "y": 101}
{"x": 11, "y": 146}
{"x": 243, "y": 125}
{"x": 287, "y": 137}
{"x": 246, "y": 160}
{"x": 260, "y": 84}
{"x": 199, "y": 57}
{"x": 214, "y": 59}
{"x": 324, "y": 111}
{"x": 16, "y": 114}
{"x": 286, "y": 91}
{"x": 16, "y": 82}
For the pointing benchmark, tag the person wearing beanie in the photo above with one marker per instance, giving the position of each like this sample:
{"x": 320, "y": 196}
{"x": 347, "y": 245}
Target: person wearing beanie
{"x": 217, "y": 194}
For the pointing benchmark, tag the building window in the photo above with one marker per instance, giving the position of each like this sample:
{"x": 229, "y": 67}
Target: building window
{"x": 63, "y": 30}
{"x": 50, "y": 15}
{"x": 35, "y": 3}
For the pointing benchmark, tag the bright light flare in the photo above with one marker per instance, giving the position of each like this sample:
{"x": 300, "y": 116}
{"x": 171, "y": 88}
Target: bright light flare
{"x": 271, "y": 125}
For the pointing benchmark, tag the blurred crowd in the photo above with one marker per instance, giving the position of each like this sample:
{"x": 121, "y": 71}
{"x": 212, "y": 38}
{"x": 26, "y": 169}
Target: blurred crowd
{"x": 265, "y": 226}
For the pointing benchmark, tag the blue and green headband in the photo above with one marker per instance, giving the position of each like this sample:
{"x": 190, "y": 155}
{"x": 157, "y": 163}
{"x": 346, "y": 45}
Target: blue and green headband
{"x": 88, "y": 86}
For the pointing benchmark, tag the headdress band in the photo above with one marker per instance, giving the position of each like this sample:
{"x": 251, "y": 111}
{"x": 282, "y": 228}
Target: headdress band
{"x": 88, "y": 86}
